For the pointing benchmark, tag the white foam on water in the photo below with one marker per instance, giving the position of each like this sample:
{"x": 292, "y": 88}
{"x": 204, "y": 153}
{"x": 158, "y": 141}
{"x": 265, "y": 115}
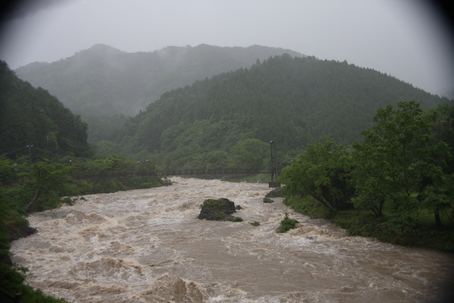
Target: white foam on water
{"x": 148, "y": 246}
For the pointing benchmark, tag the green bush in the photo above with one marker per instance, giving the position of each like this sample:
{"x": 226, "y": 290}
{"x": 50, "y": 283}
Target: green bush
{"x": 287, "y": 224}
{"x": 12, "y": 280}
{"x": 255, "y": 223}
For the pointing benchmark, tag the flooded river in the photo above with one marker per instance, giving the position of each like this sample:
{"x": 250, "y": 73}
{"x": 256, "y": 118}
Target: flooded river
{"x": 148, "y": 246}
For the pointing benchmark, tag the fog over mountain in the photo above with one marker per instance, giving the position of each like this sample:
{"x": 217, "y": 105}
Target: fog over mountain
{"x": 410, "y": 39}
{"x": 106, "y": 85}
{"x": 289, "y": 100}
{"x": 104, "y": 81}
{"x": 346, "y": 106}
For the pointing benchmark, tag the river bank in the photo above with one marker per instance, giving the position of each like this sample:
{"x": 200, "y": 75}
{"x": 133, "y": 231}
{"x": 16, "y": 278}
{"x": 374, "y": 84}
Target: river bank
{"x": 148, "y": 246}
{"x": 363, "y": 223}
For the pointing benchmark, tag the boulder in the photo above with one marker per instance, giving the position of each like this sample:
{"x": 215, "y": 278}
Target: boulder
{"x": 220, "y": 210}
{"x": 267, "y": 200}
{"x": 16, "y": 232}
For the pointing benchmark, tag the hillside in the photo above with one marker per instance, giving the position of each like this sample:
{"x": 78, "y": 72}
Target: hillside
{"x": 292, "y": 101}
{"x": 105, "y": 85}
{"x": 31, "y": 116}
{"x": 104, "y": 81}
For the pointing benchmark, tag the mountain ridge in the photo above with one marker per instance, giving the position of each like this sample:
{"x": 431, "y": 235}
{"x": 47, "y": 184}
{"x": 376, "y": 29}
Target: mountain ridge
{"x": 105, "y": 85}
{"x": 292, "y": 101}
{"x": 31, "y": 118}
{"x": 151, "y": 73}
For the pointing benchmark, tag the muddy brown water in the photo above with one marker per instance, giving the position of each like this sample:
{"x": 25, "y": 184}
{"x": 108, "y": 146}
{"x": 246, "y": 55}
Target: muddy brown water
{"x": 148, "y": 246}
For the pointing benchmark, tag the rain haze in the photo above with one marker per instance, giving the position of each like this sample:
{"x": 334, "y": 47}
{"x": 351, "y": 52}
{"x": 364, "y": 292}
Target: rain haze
{"x": 406, "y": 39}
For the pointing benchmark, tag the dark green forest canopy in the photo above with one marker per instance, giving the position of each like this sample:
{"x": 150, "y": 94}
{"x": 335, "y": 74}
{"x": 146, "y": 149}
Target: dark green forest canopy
{"x": 31, "y": 116}
{"x": 105, "y": 85}
{"x": 290, "y": 100}
{"x": 103, "y": 81}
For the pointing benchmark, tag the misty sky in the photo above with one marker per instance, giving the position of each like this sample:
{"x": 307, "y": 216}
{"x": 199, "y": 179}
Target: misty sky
{"x": 404, "y": 38}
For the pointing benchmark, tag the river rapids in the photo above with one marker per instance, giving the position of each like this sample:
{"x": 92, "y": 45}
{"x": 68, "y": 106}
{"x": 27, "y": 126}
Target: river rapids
{"x": 148, "y": 246}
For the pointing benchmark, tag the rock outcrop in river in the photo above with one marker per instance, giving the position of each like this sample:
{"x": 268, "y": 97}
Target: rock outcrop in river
{"x": 219, "y": 210}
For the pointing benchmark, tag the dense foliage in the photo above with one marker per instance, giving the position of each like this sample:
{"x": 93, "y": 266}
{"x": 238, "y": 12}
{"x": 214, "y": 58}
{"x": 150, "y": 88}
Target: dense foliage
{"x": 45, "y": 158}
{"x": 102, "y": 83}
{"x": 27, "y": 188}
{"x": 292, "y": 101}
{"x": 323, "y": 171}
{"x": 36, "y": 124}
{"x": 399, "y": 175}
{"x": 40, "y": 191}
{"x": 386, "y": 185}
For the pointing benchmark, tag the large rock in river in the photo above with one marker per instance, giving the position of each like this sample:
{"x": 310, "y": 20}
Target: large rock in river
{"x": 220, "y": 209}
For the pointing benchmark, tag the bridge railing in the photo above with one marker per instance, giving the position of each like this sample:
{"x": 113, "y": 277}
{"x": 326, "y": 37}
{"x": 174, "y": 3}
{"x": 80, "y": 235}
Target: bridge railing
{"x": 221, "y": 171}
{"x": 168, "y": 172}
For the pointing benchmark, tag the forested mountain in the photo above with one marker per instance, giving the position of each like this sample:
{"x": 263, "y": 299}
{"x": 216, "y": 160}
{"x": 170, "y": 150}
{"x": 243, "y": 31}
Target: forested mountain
{"x": 31, "y": 116}
{"x": 290, "y": 100}
{"x": 104, "y": 81}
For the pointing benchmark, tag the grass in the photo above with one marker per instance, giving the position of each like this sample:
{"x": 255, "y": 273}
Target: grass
{"x": 364, "y": 223}
{"x": 425, "y": 234}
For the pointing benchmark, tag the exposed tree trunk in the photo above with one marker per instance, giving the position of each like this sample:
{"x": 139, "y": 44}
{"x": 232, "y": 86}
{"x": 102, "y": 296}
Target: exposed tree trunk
{"x": 437, "y": 218}
{"x": 377, "y": 211}
{"x": 37, "y": 192}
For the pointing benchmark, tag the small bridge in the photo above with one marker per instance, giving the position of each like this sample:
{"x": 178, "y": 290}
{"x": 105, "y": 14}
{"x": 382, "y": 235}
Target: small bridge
{"x": 169, "y": 172}
{"x": 173, "y": 172}
{"x": 223, "y": 171}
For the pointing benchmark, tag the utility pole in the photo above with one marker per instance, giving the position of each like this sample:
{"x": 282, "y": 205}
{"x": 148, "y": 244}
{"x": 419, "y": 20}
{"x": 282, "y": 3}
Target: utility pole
{"x": 273, "y": 164}
{"x": 30, "y": 153}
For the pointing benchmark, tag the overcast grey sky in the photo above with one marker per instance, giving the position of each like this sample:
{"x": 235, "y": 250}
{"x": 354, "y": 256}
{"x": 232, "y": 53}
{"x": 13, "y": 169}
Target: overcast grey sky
{"x": 404, "y": 38}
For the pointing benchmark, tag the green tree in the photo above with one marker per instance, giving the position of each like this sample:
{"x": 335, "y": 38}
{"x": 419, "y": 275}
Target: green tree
{"x": 439, "y": 196}
{"x": 148, "y": 166}
{"x": 108, "y": 163}
{"x": 31, "y": 116}
{"x": 44, "y": 184}
{"x": 249, "y": 154}
{"x": 322, "y": 171}
{"x": 438, "y": 191}
{"x": 216, "y": 159}
{"x": 391, "y": 165}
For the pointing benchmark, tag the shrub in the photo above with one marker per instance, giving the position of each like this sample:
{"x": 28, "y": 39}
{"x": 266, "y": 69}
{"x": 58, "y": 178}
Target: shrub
{"x": 287, "y": 224}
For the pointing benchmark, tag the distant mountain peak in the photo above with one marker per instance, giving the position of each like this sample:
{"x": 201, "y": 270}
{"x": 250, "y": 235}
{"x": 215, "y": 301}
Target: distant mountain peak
{"x": 102, "y": 80}
{"x": 104, "y": 47}
{"x": 101, "y": 46}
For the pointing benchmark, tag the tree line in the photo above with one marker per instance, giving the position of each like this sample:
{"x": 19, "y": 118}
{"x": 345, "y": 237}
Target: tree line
{"x": 291, "y": 101}
{"x": 46, "y": 184}
{"x": 35, "y": 123}
{"x": 104, "y": 85}
{"x": 42, "y": 147}
{"x": 398, "y": 174}
{"x": 397, "y": 184}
